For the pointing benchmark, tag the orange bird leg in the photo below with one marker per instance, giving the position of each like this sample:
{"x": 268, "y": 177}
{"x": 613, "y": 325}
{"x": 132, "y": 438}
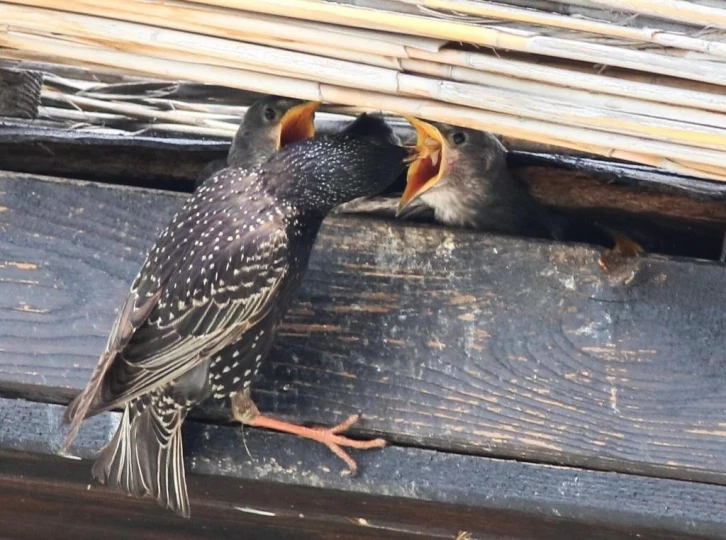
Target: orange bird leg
{"x": 245, "y": 411}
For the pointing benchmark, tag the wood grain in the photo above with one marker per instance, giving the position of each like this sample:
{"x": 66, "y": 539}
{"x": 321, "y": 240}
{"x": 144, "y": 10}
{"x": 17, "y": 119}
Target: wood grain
{"x": 290, "y": 488}
{"x": 462, "y": 342}
{"x": 130, "y": 160}
{"x": 578, "y": 190}
{"x": 20, "y": 93}
{"x": 568, "y": 182}
{"x": 147, "y": 160}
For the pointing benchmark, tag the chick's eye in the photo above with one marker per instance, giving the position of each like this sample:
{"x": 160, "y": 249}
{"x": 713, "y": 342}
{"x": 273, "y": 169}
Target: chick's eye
{"x": 458, "y": 138}
{"x": 270, "y": 114}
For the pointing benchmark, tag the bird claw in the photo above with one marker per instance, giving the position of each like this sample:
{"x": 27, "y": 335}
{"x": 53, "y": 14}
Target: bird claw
{"x": 245, "y": 411}
{"x": 344, "y": 425}
{"x": 331, "y": 438}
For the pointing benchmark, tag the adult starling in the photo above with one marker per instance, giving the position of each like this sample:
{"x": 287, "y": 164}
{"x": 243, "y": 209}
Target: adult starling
{"x": 269, "y": 124}
{"x": 204, "y": 310}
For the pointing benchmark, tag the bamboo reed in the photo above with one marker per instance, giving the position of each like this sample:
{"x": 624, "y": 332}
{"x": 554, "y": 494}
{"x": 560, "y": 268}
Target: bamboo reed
{"x": 585, "y": 81}
{"x": 617, "y": 102}
{"x": 240, "y": 25}
{"x": 134, "y": 110}
{"x": 591, "y": 141}
{"x": 674, "y": 10}
{"x": 484, "y": 8}
{"x": 180, "y": 16}
{"x": 668, "y": 112}
{"x": 532, "y": 43}
{"x": 175, "y": 45}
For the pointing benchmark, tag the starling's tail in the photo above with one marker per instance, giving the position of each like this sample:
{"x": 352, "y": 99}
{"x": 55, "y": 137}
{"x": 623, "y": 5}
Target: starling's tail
{"x": 146, "y": 456}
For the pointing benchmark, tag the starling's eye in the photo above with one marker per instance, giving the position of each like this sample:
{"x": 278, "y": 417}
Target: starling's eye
{"x": 270, "y": 113}
{"x": 458, "y": 138}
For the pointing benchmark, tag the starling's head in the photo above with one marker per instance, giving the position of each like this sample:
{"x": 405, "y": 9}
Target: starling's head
{"x": 450, "y": 163}
{"x": 269, "y": 124}
{"x": 324, "y": 172}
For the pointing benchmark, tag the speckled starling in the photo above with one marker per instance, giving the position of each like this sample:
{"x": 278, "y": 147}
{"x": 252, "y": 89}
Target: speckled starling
{"x": 203, "y": 312}
{"x": 269, "y": 124}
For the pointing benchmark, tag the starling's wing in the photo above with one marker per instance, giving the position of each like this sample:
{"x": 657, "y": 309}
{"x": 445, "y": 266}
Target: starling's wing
{"x": 133, "y": 313}
{"x": 203, "y": 308}
{"x": 209, "y": 275}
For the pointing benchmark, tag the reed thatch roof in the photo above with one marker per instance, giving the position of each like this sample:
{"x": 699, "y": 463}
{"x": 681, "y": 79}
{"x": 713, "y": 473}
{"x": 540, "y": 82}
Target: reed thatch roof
{"x": 639, "y": 80}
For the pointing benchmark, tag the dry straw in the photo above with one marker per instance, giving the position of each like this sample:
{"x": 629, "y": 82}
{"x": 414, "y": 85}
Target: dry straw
{"x": 412, "y": 57}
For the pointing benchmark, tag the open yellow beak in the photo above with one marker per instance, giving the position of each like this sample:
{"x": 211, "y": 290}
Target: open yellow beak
{"x": 298, "y": 123}
{"x": 428, "y": 164}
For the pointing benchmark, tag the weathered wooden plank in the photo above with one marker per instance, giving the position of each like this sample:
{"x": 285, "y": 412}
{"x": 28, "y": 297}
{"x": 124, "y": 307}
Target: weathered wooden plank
{"x": 666, "y": 213}
{"x": 292, "y": 488}
{"x": 138, "y": 160}
{"x": 538, "y": 169}
{"x": 663, "y": 219}
{"x": 167, "y": 162}
{"x": 622, "y": 173}
{"x": 451, "y": 340}
{"x": 85, "y": 146}
{"x": 20, "y": 93}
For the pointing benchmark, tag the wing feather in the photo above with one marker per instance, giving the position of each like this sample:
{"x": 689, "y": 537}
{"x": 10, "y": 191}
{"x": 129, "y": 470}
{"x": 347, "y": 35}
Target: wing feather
{"x": 203, "y": 330}
{"x": 215, "y": 270}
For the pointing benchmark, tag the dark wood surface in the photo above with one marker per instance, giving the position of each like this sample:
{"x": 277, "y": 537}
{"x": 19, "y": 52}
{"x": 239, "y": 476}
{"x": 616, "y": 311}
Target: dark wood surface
{"x": 290, "y": 488}
{"x": 454, "y": 341}
{"x": 666, "y": 213}
{"x": 39, "y": 148}
{"x": 135, "y": 160}
{"x": 20, "y": 93}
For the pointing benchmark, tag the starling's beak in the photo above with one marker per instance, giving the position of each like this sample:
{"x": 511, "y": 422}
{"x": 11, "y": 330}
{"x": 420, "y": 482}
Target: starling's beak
{"x": 298, "y": 123}
{"x": 429, "y": 162}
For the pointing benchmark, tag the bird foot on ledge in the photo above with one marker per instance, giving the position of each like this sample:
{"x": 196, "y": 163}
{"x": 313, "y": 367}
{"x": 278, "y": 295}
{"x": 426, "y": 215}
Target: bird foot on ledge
{"x": 245, "y": 411}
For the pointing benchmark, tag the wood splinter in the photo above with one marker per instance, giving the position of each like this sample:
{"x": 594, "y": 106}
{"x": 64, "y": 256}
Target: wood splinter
{"x": 621, "y": 262}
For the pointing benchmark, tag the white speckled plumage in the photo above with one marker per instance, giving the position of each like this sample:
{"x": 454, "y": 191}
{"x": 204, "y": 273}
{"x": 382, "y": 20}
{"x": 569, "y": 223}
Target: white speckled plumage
{"x": 203, "y": 311}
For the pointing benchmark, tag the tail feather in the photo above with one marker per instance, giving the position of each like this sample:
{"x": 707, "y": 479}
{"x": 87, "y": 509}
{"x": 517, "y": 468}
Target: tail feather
{"x": 146, "y": 457}
{"x": 90, "y": 402}
{"x": 83, "y": 404}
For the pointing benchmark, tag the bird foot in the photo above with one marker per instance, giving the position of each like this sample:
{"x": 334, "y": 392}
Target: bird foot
{"x": 330, "y": 437}
{"x": 246, "y": 412}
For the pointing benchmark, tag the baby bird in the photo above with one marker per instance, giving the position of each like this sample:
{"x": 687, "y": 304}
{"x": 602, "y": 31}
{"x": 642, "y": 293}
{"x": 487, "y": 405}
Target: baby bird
{"x": 462, "y": 175}
{"x": 269, "y": 124}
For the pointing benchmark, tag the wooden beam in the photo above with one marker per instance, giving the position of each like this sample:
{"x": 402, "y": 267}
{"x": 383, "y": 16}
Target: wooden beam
{"x": 20, "y": 93}
{"x": 290, "y": 488}
{"x": 444, "y": 339}
{"x": 170, "y": 163}
{"x": 666, "y": 213}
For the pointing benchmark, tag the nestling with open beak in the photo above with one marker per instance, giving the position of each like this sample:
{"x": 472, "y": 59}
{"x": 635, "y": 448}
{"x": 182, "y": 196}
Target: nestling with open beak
{"x": 270, "y": 123}
{"x": 462, "y": 175}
